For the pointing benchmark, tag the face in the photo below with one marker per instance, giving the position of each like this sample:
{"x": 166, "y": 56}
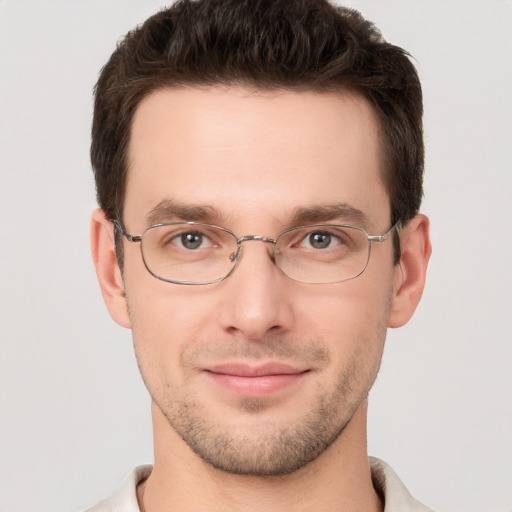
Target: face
{"x": 257, "y": 374}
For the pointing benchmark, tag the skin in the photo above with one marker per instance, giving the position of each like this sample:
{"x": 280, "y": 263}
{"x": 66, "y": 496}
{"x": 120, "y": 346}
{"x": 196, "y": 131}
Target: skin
{"x": 253, "y": 158}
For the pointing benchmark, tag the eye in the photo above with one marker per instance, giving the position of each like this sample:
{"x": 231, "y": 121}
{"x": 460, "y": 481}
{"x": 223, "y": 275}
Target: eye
{"x": 191, "y": 240}
{"x": 319, "y": 240}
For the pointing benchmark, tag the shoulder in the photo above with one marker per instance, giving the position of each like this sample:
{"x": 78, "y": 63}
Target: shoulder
{"x": 395, "y": 495}
{"x": 125, "y": 498}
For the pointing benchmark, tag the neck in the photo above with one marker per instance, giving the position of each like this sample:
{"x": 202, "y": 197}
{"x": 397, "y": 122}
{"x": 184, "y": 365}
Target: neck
{"x": 339, "y": 479}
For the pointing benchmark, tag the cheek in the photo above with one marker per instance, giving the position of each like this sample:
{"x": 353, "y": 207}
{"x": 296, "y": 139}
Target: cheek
{"x": 158, "y": 310}
{"x": 358, "y": 304}
{"x": 352, "y": 320}
{"x": 165, "y": 320}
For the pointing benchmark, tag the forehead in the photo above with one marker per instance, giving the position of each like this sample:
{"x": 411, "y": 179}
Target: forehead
{"x": 248, "y": 153}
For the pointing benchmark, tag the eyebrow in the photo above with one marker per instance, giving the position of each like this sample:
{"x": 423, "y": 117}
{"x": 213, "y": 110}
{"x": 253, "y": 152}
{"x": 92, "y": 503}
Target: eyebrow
{"x": 170, "y": 210}
{"x": 326, "y": 213}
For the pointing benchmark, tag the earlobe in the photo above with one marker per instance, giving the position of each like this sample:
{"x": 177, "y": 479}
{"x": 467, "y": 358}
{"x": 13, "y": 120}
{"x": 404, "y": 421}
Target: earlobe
{"x": 107, "y": 269}
{"x": 410, "y": 273}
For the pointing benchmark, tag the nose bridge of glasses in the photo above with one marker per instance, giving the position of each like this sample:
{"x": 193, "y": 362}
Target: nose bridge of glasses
{"x": 255, "y": 238}
{"x": 250, "y": 238}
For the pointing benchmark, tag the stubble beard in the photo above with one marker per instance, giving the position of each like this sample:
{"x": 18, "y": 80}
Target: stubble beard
{"x": 279, "y": 451}
{"x": 276, "y": 449}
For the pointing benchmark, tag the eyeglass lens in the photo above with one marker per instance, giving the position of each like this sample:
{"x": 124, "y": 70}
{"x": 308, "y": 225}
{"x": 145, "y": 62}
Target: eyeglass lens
{"x": 200, "y": 254}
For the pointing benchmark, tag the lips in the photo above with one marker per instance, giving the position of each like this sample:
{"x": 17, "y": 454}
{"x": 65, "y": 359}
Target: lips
{"x": 255, "y": 381}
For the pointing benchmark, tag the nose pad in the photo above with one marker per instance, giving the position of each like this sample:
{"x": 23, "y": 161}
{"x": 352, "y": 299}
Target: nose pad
{"x": 235, "y": 256}
{"x": 273, "y": 252}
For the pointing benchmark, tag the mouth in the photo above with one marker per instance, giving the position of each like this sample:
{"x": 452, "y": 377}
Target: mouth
{"x": 255, "y": 381}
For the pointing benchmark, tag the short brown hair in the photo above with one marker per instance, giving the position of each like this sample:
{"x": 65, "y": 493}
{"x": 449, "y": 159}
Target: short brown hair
{"x": 261, "y": 44}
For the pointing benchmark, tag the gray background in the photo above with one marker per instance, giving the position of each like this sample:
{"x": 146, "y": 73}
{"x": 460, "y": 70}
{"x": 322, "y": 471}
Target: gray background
{"x": 74, "y": 416}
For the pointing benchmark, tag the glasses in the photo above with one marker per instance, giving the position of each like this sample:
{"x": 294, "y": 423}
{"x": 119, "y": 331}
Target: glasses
{"x": 192, "y": 253}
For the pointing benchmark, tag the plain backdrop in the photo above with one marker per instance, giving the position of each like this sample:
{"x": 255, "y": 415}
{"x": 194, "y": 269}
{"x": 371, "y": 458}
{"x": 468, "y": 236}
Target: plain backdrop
{"x": 74, "y": 415}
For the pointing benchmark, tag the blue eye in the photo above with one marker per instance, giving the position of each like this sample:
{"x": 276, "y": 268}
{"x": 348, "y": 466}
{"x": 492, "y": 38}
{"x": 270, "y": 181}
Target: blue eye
{"x": 176, "y": 237}
{"x": 191, "y": 240}
{"x": 320, "y": 240}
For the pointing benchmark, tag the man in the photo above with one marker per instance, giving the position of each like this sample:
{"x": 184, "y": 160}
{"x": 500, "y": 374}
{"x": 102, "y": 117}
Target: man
{"x": 259, "y": 173}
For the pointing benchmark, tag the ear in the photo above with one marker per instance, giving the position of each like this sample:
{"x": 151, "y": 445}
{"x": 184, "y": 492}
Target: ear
{"x": 411, "y": 270}
{"x": 107, "y": 268}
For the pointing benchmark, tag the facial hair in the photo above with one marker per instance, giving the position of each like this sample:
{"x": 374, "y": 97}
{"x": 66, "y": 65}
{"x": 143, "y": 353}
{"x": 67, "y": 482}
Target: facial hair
{"x": 274, "y": 449}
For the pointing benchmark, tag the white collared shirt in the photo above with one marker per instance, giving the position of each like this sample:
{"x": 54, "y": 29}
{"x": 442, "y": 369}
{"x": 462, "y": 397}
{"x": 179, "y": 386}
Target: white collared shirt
{"x": 394, "y": 493}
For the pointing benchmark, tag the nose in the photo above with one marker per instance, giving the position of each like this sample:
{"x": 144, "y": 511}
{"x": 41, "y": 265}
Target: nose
{"x": 257, "y": 302}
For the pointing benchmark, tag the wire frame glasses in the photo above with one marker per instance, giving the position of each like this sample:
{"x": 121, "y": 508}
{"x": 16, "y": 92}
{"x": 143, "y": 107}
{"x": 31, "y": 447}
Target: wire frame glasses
{"x": 192, "y": 253}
